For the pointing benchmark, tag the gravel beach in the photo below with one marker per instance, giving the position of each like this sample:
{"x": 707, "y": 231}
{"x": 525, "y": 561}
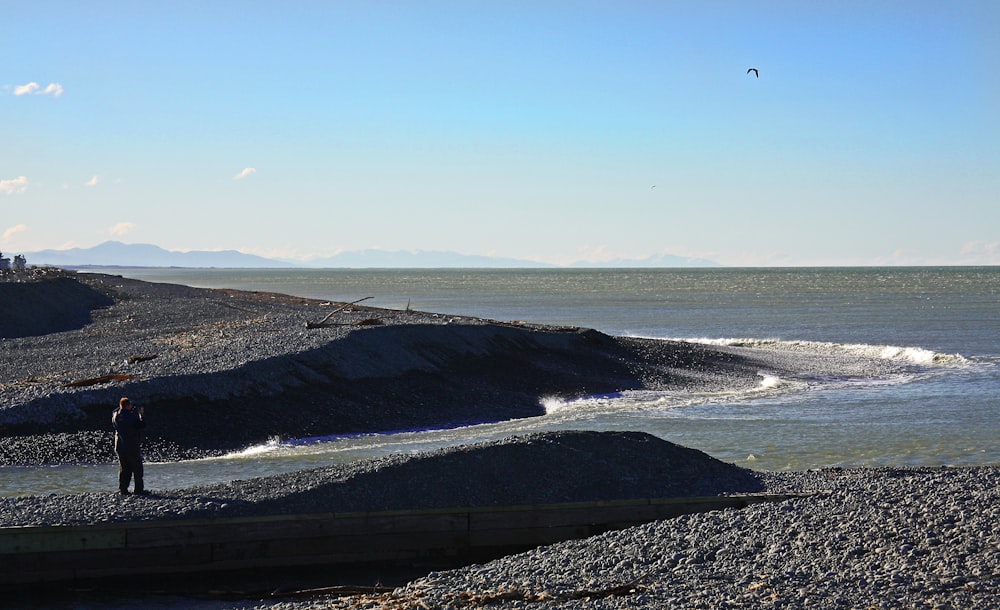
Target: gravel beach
{"x": 217, "y": 369}
{"x": 862, "y": 538}
{"x": 221, "y": 370}
{"x": 875, "y": 539}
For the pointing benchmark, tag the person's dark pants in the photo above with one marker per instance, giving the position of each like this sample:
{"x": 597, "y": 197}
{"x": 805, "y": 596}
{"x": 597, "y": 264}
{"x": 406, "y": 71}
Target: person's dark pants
{"x": 129, "y": 465}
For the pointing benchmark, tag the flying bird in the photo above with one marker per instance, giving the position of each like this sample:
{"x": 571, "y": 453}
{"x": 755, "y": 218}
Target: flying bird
{"x": 755, "y": 72}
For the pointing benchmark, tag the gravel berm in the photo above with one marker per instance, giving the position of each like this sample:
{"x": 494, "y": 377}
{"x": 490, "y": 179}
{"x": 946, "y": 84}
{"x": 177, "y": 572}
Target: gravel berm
{"x": 221, "y": 370}
{"x": 544, "y": 468}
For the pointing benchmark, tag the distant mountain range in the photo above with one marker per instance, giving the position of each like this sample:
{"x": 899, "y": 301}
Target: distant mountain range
{"x": 117, "y": 254}
{"x": 426, "y": 259}
{"x": 656, "y": 260}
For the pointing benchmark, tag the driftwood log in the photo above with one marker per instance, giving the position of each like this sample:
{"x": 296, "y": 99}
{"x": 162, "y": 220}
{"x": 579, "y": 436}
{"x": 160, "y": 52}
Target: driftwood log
{"x": 322, "y": 322}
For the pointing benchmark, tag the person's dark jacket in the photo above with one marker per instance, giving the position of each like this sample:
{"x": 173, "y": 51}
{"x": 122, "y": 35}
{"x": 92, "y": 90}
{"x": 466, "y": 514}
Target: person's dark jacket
{"x": 128, "y": 427}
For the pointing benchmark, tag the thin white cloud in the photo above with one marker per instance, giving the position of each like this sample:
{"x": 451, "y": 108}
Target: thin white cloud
{"x": 12, "y": 231}
{"x": 982, "y": 252}
{"x": 247, "y": 171}
{"x": 33, "y": 88}
{"x": 14, "y": 185}
{"x": 93, "y": 181}
{"x": 122, "y": 228}
{"x": 26, "y": 89}
{"x": 597, "y": 254}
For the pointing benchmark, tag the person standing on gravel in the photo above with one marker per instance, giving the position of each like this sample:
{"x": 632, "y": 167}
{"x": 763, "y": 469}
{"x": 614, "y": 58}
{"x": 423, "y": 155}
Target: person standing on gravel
{"x": 128, "y": 424}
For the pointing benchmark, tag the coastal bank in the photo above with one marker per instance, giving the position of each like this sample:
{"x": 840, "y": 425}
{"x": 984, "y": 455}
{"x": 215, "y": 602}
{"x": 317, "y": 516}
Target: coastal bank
{"x": 221, "y": 370}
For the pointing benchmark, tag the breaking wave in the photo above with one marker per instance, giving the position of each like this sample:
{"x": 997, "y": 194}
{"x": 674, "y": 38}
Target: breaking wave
{"x": 769, "y": 384}
{"x": 854, "y": 365}
{"x": 272, "y": 444}
{"x": 908, "y": 355}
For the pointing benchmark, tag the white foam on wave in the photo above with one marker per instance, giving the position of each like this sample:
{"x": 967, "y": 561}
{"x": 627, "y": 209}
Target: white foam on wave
{"x": 272, "y": 444}
{"x": 911, "y": 355}
{"x": 554, "y": 404}
{"x": 769, "y": 384}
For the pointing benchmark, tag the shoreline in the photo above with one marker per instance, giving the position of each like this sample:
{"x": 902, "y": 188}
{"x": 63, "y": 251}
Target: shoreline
{"x": 221, "y": 370}
{"x": 885, "y": 537}
{"x": 568, "y": 466}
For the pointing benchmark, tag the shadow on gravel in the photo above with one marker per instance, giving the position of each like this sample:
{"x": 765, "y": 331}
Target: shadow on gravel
{"x": 216, "y": 591}
{"x": 543, "y": 468}
{"x": 29, "y": 309}
{"x": 400, "y": 377}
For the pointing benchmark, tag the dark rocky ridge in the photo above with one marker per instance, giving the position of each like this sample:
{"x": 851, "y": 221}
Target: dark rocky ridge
{"x": 218, "y": 370}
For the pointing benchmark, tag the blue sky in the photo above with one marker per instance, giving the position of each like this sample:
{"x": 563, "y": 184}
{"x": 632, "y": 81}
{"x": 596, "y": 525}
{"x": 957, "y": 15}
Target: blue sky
{"x": 531, "y": 130}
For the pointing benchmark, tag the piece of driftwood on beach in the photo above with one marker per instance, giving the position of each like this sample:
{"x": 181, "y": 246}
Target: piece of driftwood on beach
{"x": 322, "y": 322}
{"x": 99, "y": 380}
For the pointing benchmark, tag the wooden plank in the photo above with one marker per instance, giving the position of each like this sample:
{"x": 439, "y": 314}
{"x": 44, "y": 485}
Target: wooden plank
{"x": 166, "y": 559}
{"x": 298, "y": 527}
{"x": 60, "y": 538}
{"x": 66, "y": 566}
{"x": 379, "y": 544}
{"x": 36, "y": 567}
{"x": 10, "y": 578}
{"x": 562, "y": 515}
{"x": 360, "y": 547}
{"x": 66, "y": 553}
{"x": 481, "y": 539}
{"x": 431, "y": 521}
{"x": 153, "y": 535}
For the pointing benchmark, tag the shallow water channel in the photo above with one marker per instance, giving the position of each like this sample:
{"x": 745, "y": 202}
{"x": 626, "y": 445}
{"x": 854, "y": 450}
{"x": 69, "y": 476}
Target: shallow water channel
{"x": 779, "y": 426}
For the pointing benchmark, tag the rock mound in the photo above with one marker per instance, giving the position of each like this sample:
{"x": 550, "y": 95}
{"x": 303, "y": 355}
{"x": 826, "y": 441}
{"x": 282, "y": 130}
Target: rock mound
{"x": 542, "y": 468}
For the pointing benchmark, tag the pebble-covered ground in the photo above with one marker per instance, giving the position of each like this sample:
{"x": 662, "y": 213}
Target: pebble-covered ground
{"x": 867, "y": 538}
{"x": 875, "y": 539}
{"x": 881, "y": 538}
{"x": 884, "y": 538}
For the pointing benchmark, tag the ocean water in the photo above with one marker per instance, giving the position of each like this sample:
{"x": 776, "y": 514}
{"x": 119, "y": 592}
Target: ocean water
{"x": 938, "y": 403}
